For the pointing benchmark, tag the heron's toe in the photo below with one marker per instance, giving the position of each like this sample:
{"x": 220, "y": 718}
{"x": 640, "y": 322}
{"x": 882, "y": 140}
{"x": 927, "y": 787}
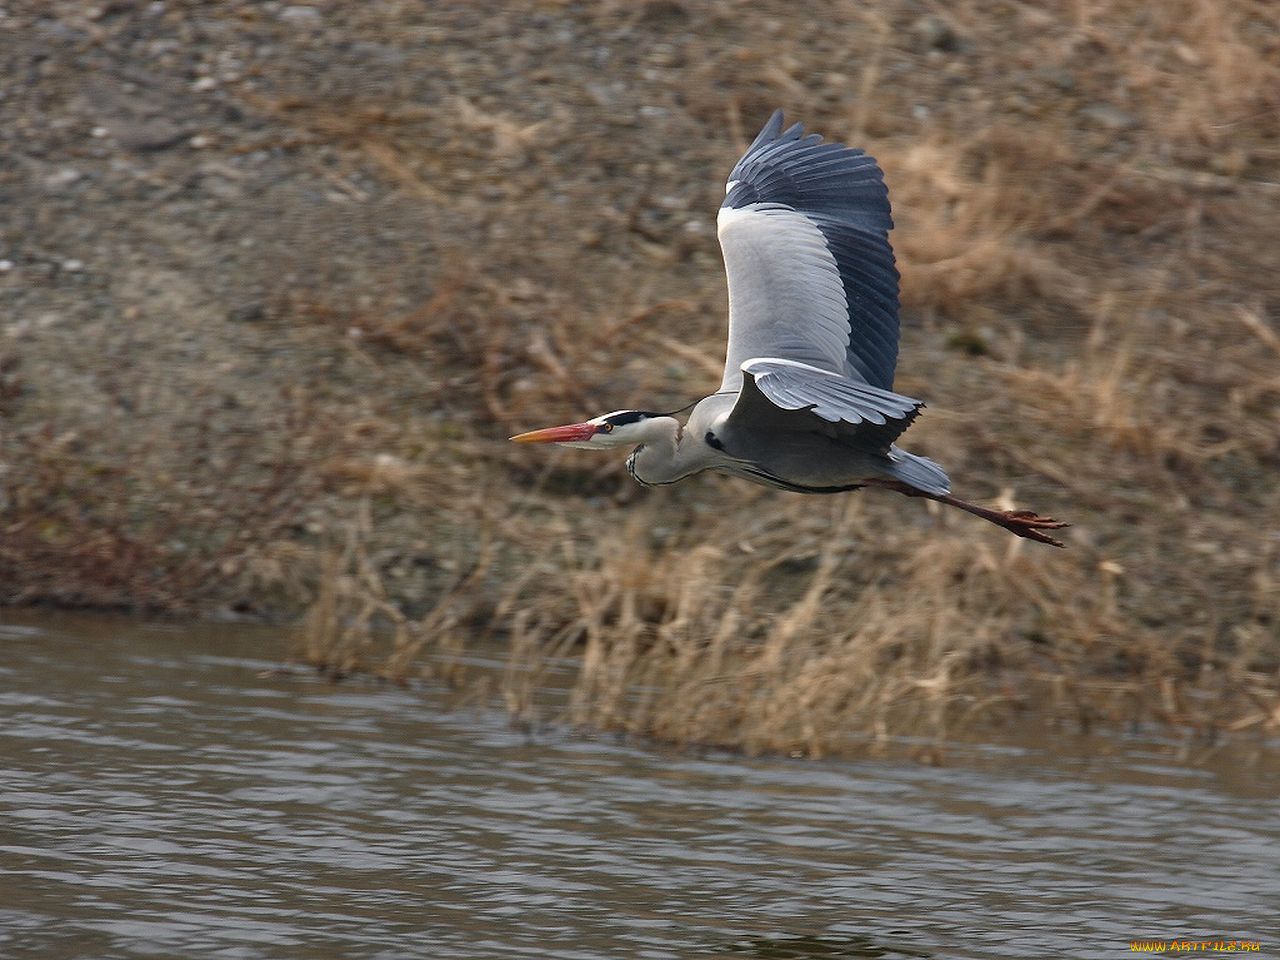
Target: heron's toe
{"x": 1029, "y": 524}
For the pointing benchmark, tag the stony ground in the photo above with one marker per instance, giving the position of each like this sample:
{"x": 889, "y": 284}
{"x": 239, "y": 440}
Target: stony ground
{"x": 277, "y": 280}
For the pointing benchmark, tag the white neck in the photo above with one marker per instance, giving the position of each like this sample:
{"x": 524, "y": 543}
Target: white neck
{"x": 663, "y": 455}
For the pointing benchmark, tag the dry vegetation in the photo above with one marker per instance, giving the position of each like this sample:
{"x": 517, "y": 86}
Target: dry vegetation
{"x": 1086, "y": 203}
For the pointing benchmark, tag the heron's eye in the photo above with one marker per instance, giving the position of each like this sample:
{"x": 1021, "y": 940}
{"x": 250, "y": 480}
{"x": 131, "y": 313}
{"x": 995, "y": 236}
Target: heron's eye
{"x": 605, "y": 428}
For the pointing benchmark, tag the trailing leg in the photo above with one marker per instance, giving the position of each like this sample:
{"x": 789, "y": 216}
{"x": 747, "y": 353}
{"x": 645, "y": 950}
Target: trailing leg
{"x": 1023, "y": 523}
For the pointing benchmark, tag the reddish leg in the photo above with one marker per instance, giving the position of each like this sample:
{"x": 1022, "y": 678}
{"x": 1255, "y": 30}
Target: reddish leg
{"x": 1024, "y": 523}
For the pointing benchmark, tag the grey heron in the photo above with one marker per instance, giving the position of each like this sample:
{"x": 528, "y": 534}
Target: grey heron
{"x": 806, "y": 403}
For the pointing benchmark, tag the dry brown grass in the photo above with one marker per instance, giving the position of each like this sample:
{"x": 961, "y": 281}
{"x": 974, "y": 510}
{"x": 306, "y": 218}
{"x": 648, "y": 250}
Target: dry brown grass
{"x": 81, "y": 529}
{"x": 1085, "y": 204}
{"x": 805, "y": 632}
{"x": 1136, "y": 389}
{"x": 1086, "y": 343}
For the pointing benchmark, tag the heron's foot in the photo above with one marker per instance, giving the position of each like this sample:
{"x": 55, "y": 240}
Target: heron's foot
{"x": 1024, "y": 523}
{"x": 1029, "y": 524}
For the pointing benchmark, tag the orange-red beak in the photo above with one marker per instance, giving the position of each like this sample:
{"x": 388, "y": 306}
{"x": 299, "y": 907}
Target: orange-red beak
{"x": 569, "y": 433}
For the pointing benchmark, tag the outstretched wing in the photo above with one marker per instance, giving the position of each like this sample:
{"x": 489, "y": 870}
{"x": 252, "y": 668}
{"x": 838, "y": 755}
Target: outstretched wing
{"x": 783, "y": 395}
{"x": 805, "y": 233}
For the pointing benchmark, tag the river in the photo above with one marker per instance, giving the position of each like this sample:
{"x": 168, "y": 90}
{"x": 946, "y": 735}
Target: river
{"x": 165, "y": 791}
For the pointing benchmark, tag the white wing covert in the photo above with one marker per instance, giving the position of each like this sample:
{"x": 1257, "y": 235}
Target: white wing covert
{"x": 787, "y": 395}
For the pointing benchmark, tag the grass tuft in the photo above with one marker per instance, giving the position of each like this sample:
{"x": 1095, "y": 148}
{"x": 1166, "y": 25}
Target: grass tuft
{"x": 1084, "y": 198}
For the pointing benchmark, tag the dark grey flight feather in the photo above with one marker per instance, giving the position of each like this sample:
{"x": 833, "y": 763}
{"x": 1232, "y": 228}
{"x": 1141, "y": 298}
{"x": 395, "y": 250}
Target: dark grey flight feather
{"x": 842, "y": 192}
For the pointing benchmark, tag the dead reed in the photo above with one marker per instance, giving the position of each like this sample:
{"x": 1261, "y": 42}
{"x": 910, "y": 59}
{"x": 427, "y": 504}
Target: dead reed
{"x": 1074, "y": 317}
{"x": 1085, "y": 204}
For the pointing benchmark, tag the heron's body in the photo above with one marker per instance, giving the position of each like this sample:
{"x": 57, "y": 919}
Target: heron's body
{"x": 806, "y": 402}
{"x": 800, "y": 461}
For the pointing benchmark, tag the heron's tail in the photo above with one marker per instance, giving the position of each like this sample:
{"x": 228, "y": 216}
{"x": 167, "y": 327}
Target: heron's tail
{"x": 919, "y": 472}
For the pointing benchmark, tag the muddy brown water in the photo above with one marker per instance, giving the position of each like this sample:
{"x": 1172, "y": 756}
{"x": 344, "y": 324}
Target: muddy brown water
{"x": 163, "y": 794}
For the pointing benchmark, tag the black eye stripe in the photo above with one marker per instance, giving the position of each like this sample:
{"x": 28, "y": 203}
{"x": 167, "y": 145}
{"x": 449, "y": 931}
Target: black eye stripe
{"x": 628, "y": 416}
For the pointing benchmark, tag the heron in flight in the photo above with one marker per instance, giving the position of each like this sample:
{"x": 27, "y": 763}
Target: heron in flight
{"x": 807, "y": 401}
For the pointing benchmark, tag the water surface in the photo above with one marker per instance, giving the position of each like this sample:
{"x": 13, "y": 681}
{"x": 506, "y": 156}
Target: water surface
{"x": 164, "y": 792}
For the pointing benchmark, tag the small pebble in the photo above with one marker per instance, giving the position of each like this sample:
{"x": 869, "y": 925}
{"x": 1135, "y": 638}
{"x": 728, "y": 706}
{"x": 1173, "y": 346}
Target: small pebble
{"x": 300, "y": 14}
{"x": 1109, "y": 117}
{"x": 62, "y": 178}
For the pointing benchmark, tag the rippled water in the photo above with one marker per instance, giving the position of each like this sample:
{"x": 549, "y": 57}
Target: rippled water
{"x": 162, "y": 794}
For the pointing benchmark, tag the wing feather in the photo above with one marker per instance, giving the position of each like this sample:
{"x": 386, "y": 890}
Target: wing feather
{"x": 795, "y": 396}
{"x": 805, "y": 233}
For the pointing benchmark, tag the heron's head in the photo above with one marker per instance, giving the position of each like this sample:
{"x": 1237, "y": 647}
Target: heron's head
{"x": 622, "y": 428}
